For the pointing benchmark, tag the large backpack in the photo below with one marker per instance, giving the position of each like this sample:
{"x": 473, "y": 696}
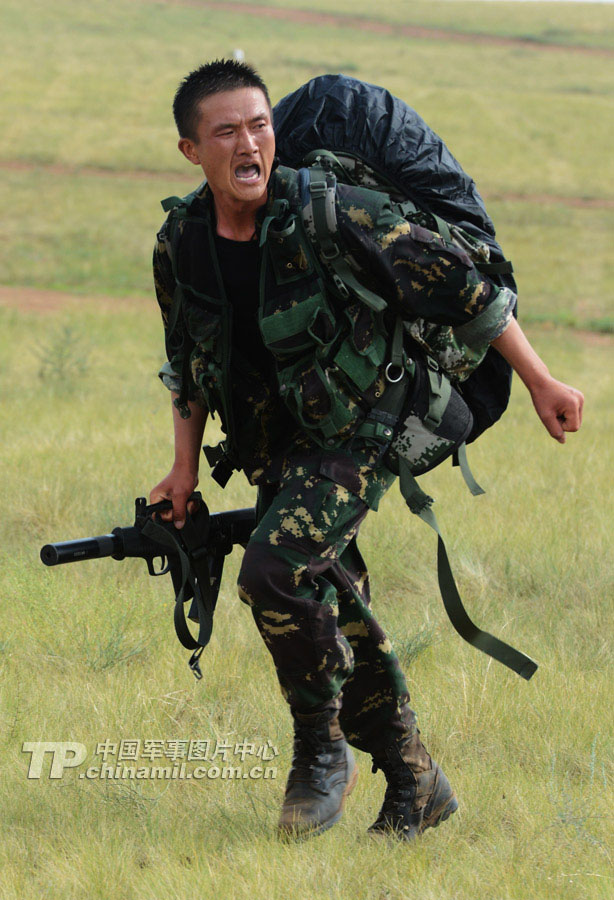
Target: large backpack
{"x": 360, "y": 134}
{"x": 383, "y": 144}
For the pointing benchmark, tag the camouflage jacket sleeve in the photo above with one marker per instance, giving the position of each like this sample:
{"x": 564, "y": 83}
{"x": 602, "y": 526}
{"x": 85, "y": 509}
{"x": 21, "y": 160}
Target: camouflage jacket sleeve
{"x": 164, "y": 282}
{"x": 428, "y": 280}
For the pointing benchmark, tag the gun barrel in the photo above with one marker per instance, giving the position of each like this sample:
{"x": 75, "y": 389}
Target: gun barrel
{"x": 227, "y": 529}
{"x": 84, "y": 548}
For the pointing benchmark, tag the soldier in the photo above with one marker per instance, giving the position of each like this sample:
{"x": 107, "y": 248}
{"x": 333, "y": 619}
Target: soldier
{"x": 256, "y": 334}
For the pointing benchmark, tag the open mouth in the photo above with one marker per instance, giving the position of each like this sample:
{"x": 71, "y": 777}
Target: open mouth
{"x": 248, "y": 174}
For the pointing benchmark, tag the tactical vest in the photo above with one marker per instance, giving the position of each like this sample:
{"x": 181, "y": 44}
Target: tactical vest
{"x": 329, "y": 350}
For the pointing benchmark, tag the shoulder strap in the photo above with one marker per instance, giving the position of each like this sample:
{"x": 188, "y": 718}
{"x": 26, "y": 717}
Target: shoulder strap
{"x": 324, "y": 233}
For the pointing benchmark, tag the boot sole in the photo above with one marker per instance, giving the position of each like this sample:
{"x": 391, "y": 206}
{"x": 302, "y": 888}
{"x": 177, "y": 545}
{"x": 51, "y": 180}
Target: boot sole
{"x": 297, "y": 831}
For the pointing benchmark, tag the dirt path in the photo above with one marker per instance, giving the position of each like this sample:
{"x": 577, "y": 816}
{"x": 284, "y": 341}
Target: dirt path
{"x": 38, "y": 300}
{"x": 361, "y": 23}
{"x": 44, "y": 302}
{"x": 20, "y": 165}
{"x": 335, "y": 20}
{"x": 16, "y": 165}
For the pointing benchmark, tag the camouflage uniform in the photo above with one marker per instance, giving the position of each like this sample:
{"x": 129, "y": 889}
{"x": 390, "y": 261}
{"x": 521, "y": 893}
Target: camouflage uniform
{"x": 302, "y": 438}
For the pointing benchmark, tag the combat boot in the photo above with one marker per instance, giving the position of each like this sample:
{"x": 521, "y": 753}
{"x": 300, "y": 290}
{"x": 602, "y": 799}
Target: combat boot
{"x": 323, "y": 774}
{"x": 417, "y": 796}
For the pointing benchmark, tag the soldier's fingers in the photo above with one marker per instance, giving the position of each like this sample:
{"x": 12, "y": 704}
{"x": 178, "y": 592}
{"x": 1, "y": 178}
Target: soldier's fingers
{"x": 156, "y": 496}
{"x": 572, "y": 413}
{"x": 554, "y": 426}
{"x": 193, "y": 506}
{"x": 179, "y": 509}
{"x": 580, "y": 396}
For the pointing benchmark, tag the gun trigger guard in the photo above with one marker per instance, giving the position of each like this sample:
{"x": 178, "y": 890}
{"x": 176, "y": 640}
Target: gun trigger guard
{"x": 164, "y": 563}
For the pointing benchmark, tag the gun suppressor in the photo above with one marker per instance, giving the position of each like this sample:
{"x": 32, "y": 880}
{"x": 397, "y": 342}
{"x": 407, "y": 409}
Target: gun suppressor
{"x": 86, "y": 548}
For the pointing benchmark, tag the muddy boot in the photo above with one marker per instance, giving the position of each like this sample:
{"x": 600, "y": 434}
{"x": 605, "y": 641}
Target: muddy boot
{"x": 418, "y": 794}
{"x": 323, "y": 773}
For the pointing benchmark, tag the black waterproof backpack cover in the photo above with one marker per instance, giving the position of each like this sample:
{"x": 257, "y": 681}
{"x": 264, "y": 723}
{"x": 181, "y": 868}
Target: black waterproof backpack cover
{"x": 351, "y": 117}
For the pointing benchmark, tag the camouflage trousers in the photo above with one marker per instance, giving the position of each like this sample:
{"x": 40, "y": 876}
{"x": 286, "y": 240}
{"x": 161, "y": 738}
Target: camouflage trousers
{"x": 308, "y": 588}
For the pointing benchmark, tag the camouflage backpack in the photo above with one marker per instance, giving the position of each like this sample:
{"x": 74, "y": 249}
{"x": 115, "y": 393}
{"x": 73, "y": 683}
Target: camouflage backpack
{"x": 342, "y": 129}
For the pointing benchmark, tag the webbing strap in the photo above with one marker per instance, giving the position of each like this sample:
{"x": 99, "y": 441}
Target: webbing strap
{"x": 420, "y": 505}
{"x": 405, "y": 208}
{"x": 279, "y": 208}
{"x": 440, "y": 390}
{"x": 463, "y": 464}
{"x": 343, "y": 271}
{"x": 397, "y": 355}
{"x": 442, "y": 228}
{"x": 322, "y": 190}
{"x": 171, "y": 203}
{"x": 504, "y": 267}
{"x": 195, "y": 574}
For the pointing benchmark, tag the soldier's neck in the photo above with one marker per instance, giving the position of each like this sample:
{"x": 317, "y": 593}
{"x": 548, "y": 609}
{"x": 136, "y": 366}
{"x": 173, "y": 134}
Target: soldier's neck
{"x": 236, "y": 221}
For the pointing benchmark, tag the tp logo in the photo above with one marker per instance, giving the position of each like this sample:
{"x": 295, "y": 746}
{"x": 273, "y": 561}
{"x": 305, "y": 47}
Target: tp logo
{"x": 65, "y": 755}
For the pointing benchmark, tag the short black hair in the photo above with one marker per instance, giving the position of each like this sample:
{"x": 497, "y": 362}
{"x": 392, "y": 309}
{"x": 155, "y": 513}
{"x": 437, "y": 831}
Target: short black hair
{"x": 211, "y": 78}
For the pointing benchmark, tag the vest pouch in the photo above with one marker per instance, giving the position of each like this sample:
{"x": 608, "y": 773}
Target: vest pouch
{"x": 434, "y": 419}
{"x": 307, "y": 324}
{"x": 316, "y": 401}
{"x": 362, "y": 354}
{"x": 202, "y": 322}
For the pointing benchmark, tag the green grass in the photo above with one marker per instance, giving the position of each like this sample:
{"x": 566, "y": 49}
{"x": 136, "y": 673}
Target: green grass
{"x": 575, "y": 24}
{"x": 561, "y": 255}
{"x": 87, "y": 652}
{"x": 98, "y": 90}
{"x": 96, "y": 95}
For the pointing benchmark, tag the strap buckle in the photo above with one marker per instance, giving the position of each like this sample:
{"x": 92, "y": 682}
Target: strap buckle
{"x": 318, "y": 188}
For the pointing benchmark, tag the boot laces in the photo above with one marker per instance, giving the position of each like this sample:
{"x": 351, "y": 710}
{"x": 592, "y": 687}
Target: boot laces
{"x": 310, "y": 758}
{"x": 400, "y": 789}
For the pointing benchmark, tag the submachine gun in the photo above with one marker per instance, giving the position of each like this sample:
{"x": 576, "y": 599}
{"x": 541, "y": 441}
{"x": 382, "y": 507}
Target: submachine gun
{"x": 193, "y": 555}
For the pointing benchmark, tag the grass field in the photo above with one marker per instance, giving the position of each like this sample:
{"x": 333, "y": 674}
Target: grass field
{"x": 534, "y": 22}
{"x": 88, "y": 653}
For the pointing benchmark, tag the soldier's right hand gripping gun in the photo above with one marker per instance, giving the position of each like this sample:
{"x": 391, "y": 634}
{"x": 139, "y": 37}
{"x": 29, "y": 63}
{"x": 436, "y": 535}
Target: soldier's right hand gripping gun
{"x": 193, "y": 555}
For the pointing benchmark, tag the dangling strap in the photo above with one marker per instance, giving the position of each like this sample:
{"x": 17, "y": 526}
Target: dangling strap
{"x": 460, "y": 460}
{"x": 420, "y": 505}
{"x": 195, "y": 583}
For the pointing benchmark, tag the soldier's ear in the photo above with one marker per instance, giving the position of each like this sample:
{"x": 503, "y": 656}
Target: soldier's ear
{"x": 188, "y": 149}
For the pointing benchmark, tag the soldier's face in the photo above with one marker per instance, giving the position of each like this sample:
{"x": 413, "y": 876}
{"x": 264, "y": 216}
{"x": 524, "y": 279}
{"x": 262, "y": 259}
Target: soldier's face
{"x": 235, "y": 145}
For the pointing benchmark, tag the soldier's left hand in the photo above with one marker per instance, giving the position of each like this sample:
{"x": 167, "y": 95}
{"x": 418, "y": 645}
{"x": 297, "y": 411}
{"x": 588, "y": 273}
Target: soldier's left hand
{"x": 559, "y": 406}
